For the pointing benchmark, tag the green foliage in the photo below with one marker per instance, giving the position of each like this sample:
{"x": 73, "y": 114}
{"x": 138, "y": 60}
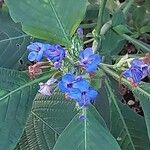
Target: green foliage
{"x": 15, "y": 103}
{"x": 96, "y": 82}
{"x": 87, "y": 134}
{"x": 143, "y": 94}
{"x": 47, "y": 19}
{"x": 139, "y": 20}
{"x": 13, "y": 42}
{"x": 48, "y": 118}
{"x": 45, "y": 123}
{"x": 112, "y": 42}
{"x": 126, "y": 125}
{"x": 17, "y": 94}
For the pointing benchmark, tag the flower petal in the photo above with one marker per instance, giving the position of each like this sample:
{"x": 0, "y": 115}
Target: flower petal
{"x": 62, "y": 87}
{"x": 68, "y": 78}
{"x": 75, "y": 94}
{"x": 82, "y": 85}
{"x": 137, "y": 63}
{"x": 36, "y": 46}
{"x": 91, "y": 67}
{"x": 40, "y": 55}
{"x": 92, "y": 94}
{"x": 45, "y": 90}
{"x": 95, "y": 58}
{"x": 32, "y": 56}
{"x": 135, "y": 73}
{"x": 86, "y": 53}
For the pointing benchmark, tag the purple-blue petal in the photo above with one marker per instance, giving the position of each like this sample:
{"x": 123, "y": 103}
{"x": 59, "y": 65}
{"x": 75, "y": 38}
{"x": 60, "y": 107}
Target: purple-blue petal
{"x": 61, "y": 87}
{"x": 92, "y": 94}
{"x": 32, "y": 56}
{"x": 91, "y": 67}
{"x": 68, "y": 78}
{"x": 40, "y": 55}
{"x": 135, "y": 73}
{"x": 75, "y": 94}
{"x": 55, "y": 53}
{"x": 95, "y": 58}
{"x": 86, "y": 53}
{"x": 82, "y": 85}
{"x": 137, "y": 63}
{"x": 36, "y": 46}
{"x": 85, "y": 101}
{"x": 57, "y": 65}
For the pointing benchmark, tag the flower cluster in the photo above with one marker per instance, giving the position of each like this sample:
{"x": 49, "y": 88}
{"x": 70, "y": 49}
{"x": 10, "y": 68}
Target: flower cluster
{"x": 137, "y": 71}
{"x": 54, "y": 53}
{"x": 78, "y": 89}
{"x": 75, "y": 87}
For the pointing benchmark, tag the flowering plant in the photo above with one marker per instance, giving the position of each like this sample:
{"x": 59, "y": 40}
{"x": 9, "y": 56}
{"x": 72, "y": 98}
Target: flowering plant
{"x": 74, "y": 75}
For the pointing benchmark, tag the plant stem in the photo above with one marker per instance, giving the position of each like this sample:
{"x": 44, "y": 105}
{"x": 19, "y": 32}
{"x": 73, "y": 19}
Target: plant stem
{"x": 85, "y": 126}
{"x": 100, "y": 16}
{"x": 114, "y": 74}
{"x": 87, "y": 26}
{"x": 88, "y": 41}
{"x": 108, "y": 65}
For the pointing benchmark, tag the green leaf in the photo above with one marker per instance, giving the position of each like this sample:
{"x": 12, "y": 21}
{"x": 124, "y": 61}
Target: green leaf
{"x": 143, "y": 94}
{"x": 91, "y": 12}
{"x": 122, "y": 29}
{"x": 13, "y": 42}
{"x": 86, "y": 135}
{"x": 126, "y": 126}
{"x": 48, "y": 118}
{"x": 17, "y": 92}
{"x": 145, "y": 29}
{"x": 118, "y": 18}
{"x": 116, "y": 42}
{"x": 97, "y": 80}
{"x": 139, "y": 16}
{"x": 93, "y": 2}
{"x": 114, "y": 45}
{"x": 143, "y": 46}
{"x": 48, "y": 19}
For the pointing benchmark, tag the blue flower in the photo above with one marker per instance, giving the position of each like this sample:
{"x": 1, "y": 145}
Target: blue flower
{"x": 78, "y": 89}
{"x": 54, "y": 53}
{"x": 133, "y": 73}
{"x": 89, "y": 61}
{"x": 138, "y": 63}
{"x": 69, "y": 82}
{"x": 83, "y": 97}
{"x": 137, "y": 71}
{"x": 66, "y": 83}
{"x": 36, "y": 51}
